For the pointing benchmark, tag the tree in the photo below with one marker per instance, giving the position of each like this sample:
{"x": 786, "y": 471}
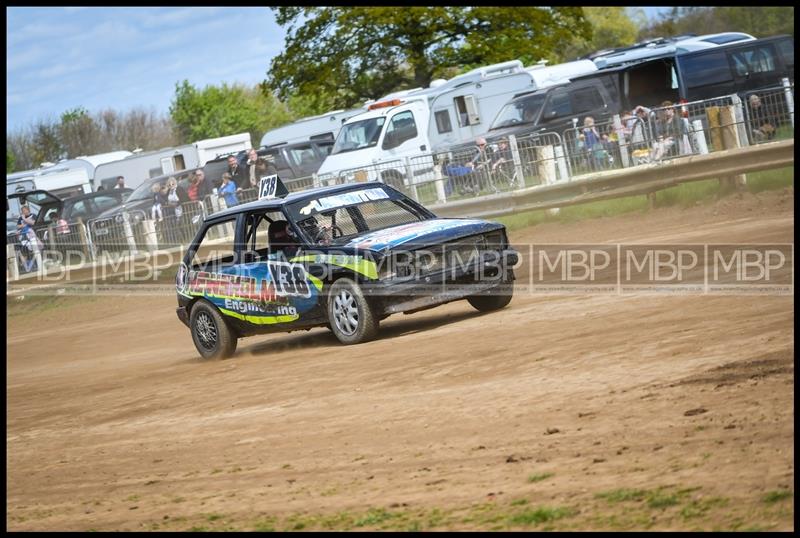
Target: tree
{"x": 611, "y": 28}
{"x": 357, "y": 53}
{"x": 224, "y": 110}
{"x": 757, "y": 21}
{"x": 9, "y": 161}
{"x": 78, "y": 132}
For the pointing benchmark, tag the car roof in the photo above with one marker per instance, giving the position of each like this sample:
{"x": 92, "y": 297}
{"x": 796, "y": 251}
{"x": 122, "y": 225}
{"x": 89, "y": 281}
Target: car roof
{"x": 277, "y": 203}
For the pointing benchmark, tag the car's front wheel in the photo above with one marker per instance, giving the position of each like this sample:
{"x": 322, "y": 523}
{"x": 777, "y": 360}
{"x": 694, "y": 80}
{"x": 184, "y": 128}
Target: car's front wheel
{"x": 495, "y": 301}
{"x": 211, "y": 335}
{"x": 350, "y": 314}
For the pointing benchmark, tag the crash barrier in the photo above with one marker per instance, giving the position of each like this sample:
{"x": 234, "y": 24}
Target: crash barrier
{"x": 456, "y": 182}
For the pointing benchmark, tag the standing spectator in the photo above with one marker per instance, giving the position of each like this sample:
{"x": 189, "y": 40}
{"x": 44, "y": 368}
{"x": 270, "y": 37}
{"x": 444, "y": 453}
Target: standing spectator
{"x": 593, "y": 145}
{"x": 120, "y": 182}
{"x": 31, "y": 251}
{"x": 198, "y": 187}
{"x": 173, "y": 210}
{"x": 257, "y": 167}
{"x": 238, "y": 173}
{"x": 159, "y": 201}
{"x": 760, "y": 125}
{"x": 228, "y": 190}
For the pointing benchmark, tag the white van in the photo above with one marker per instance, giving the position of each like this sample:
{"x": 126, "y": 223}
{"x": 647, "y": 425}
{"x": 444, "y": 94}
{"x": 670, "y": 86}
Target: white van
{"x": 413, "y": 123}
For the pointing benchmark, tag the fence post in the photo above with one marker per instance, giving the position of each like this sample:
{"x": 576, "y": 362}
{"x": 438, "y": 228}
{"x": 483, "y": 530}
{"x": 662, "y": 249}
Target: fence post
{"x": 621, "y": 142}
{"x": 129, "y": 237}
{"x": 315, "y": 180}
{"x": 730, "y": 140}
{"x": 787, "y": 92}
{"x": 11, "y": 262}
{"x": 741, "y": 128}
{"x": 712, "y": 113}
{"x": 150, "y": 236}
{"x": 441, "y": 194}
{"x": 520, "y": 173}
{"x": 86, "y": 239}
{"x": 699, "y": 137}
{"x": 561, "y": 161}
{"x": 410, "y": 179}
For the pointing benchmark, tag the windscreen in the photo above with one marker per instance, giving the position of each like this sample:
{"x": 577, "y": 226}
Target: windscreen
{"x": 358, "y": 135}
{"x": 519, "y": 111}
{"x": 337, "y": 218}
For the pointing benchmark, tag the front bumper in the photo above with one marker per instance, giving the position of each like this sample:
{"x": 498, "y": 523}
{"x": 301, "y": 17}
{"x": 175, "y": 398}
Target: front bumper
{"x": 444, "y": 286}
{"x": 183, "y": 315}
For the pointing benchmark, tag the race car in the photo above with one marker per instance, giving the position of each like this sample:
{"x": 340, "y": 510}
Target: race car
{"x": 343, "y": 257}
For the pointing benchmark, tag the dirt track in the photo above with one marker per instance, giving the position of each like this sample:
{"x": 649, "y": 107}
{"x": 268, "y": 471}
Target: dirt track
{"x": 451, "y": 419}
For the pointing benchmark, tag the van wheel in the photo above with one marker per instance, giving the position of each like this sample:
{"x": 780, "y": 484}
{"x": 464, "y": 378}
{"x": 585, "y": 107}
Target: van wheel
{"x": 350, "y": 315}
{"x": 211, "y": 335}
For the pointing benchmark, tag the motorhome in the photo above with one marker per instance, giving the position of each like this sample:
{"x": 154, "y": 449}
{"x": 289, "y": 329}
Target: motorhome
{"x": 323, "y": 127}
{"x": 211, "y": 148}
{"x": 140, "y": 166}
{"x": 424, "y": 120}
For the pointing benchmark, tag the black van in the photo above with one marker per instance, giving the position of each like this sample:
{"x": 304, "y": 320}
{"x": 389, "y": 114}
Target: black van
{"x": 736, "y": 68}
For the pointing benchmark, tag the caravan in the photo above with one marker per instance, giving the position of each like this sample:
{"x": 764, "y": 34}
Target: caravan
{"x": 323, "y": 127}
{"x": 212, "y": 148}
{"x": 141, "y": 166}
{"x": 414, "y": 122}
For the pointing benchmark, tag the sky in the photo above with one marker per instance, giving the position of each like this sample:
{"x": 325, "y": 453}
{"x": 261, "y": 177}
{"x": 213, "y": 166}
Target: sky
{"x": 122, "y": 58}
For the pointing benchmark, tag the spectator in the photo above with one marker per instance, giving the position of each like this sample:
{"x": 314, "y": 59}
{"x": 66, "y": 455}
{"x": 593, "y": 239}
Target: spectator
{"x": 228, "y": 190}
{"x": 120, "y": 182}
{"x": 594, "y": 145}
{"x": 176, "y": 196}
{"x": 31, "y": 246}
{"x": 256, "y": 168}
{"x": 238, "y": 173}
{"x": 760, "y": 125}
{"x": 159, "y": 201}
{"x": 501, "y": 155}
{"x": 467, "y": 184}
{"x": 198, "y": 187}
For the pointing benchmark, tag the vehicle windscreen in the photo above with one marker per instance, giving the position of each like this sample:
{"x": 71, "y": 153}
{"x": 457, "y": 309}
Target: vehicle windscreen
{"x": 520, "y": 111}
{"x": 358, "y": 135}
{"x": 142, "y": 192}
{"x": 337, "y": 218}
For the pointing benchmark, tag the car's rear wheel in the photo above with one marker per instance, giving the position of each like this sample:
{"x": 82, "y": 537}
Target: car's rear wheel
{"x": 211, "y": 335}
{"x": 350, "y": 314}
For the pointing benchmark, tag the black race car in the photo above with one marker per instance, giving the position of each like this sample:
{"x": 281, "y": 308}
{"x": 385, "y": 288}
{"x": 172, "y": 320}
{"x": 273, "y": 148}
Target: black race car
{"x": 345, "y": 257}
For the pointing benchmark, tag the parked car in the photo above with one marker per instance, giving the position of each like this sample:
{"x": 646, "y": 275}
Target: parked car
{"x": 47, "y": 205}
{"x": 345, "y": 257}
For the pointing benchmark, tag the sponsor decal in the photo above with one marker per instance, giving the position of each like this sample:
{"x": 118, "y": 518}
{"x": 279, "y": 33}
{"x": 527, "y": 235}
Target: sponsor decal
{"x": 344, "y": 199}
{"x": 407, "y": 232}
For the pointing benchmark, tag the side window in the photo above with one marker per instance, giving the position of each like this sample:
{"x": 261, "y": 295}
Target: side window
{"x": 786, "y": 48}
{"x": 259, "y": 223}
{"x": 585, "y": 99}
{"x": 79, "y": 209}
{"x": 302, "y": 155}
{"x": 706, "y": 69}
{"x": 215, "y": 250}
{"x": 325, "y": 149}
{"x": 467, "y": 110}
{"x": 443, "y": 124}
{"x": 401, "y": 128}
{"x": 558, "y": 105}
{"x": 105, "y": 202}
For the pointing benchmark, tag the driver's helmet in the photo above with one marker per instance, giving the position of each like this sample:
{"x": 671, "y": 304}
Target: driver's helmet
{"x": 281, "y": 238}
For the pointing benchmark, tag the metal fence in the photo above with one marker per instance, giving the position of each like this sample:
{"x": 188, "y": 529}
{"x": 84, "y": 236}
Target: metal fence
{"x": 636, "y": 137}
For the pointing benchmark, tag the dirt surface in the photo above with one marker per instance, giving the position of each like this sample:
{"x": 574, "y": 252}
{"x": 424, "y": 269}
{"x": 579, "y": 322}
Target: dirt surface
{"x": 559, "y": 411}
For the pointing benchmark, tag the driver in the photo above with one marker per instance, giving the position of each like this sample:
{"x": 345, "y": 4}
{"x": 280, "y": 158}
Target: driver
{"x": 281, "y": 239}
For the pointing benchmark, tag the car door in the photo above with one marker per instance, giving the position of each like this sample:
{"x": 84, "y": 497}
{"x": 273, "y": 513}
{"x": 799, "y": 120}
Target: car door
{"x": 755, "y": 66}
{"x": 282, "y": 291}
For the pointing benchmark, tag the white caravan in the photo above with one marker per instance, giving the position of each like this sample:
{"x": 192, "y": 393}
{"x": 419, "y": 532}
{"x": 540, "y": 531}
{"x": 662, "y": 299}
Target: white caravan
{"x": 211, "y": 148}
{"x": 61, "y": 179}
{"x": 323, "y": 127}
{"x": 139, "y": 167}
{"x": 413, "y": 123}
